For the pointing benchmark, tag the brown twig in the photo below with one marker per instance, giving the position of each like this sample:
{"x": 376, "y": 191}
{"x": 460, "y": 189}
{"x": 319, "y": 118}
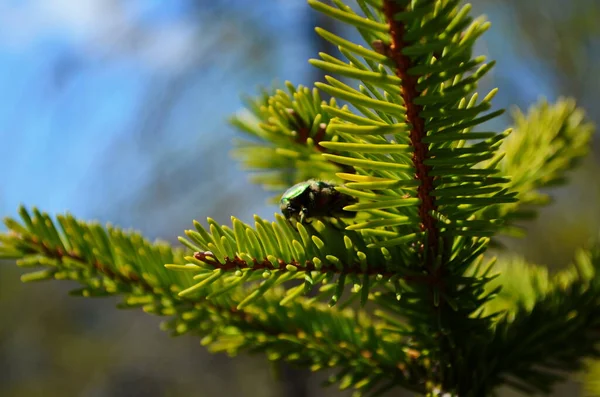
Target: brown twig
{"x": 130, "y": 278}
{"x": 303, "y": 133}
{"x": 236, "y": 263}
{"x": 409, "y": 92}
{"x": 244, "y": 318}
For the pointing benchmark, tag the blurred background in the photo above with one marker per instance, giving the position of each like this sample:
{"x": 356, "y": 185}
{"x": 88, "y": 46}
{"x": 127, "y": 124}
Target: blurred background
{"x": 116, "y": 111}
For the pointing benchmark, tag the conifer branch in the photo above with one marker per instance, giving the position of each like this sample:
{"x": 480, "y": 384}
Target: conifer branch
{"x": 417, "y": 92}
{"x": 548, "y": 141}
{"x": 286, "y": 131}
{"x": 551, "y": 325}
{"x": 110, "y": 262}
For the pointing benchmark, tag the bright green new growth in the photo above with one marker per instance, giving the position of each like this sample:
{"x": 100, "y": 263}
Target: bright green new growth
{"x": 285, "y": 128}
{"x": 405, "y": 133}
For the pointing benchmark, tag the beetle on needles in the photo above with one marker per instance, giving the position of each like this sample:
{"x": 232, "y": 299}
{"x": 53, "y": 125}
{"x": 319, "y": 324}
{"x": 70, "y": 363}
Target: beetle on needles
{"x": 315, "y": 199}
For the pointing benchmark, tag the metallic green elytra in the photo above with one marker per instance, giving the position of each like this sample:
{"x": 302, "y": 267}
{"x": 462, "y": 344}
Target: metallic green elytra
{"x": 315, "y": 199}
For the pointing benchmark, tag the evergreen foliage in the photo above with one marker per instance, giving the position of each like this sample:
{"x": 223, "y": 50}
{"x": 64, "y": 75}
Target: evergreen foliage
{"x": 403, "y": 295}
{"x": 592, "y": 380}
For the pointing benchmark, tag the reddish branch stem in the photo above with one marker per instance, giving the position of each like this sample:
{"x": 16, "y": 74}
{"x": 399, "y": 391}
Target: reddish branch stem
{"x": 134, "y": 279}
{"x": 58, "y": 253}
{"x": 236, "y": 263}
{"x": 303, "y": 133}
{"x": 409, "y": 92}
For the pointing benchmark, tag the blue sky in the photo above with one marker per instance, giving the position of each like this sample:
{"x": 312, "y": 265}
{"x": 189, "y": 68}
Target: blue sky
{"x": 76, "y": 78}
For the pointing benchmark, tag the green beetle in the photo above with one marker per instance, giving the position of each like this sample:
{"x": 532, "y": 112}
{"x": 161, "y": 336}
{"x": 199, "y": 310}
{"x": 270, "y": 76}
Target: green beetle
{"x": 315, "y": 199}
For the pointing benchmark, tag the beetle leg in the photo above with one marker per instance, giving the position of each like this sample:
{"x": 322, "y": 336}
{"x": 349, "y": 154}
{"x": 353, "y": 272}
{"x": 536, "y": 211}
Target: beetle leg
{"x": 303, "y": 216}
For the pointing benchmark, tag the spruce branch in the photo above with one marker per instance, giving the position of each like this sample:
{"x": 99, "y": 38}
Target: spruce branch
{"x": 110, "y": 262}
{"x": 549, "y": 141}
{"x": 417, "y": 87}
{"x": 551, "y": 325}
{"x": 286, "y": 131}
{"x": 424, "y": 100}
{"x": 275, "y": 253}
